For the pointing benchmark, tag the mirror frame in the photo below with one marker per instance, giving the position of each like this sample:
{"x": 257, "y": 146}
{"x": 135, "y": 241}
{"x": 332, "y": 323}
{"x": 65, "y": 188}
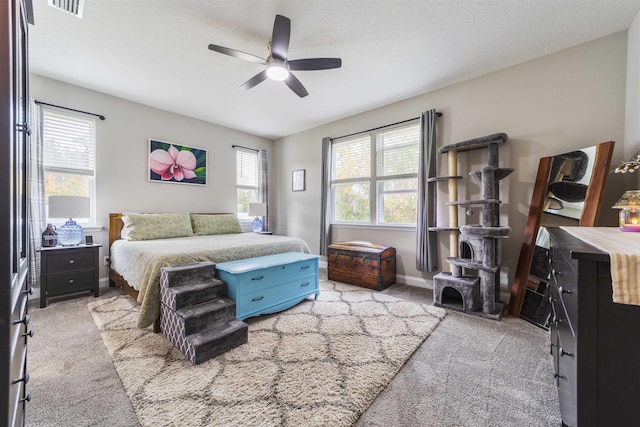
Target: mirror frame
{"x": 588, "y": 218}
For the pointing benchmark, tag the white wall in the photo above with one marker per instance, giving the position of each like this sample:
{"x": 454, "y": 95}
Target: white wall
{"x": 122, "y": 147}
{"x": 561, "y": 102}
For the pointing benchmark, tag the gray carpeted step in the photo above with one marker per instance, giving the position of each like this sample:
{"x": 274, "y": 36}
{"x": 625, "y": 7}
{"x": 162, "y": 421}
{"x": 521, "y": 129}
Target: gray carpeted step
{"x": 214, "y": 341}
{"x": 193, "y": 293}
{"x": 181, "y": 275}
{"x": 207, "y": 315}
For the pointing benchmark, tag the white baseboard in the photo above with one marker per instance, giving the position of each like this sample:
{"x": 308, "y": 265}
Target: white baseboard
{"x": 419, "y": 282}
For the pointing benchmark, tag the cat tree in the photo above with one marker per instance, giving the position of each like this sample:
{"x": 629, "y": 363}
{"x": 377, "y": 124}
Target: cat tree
{"x": 473, "y": 285}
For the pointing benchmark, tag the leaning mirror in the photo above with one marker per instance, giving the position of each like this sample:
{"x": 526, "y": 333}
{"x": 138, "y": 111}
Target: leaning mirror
{"x": 568, "y": 191}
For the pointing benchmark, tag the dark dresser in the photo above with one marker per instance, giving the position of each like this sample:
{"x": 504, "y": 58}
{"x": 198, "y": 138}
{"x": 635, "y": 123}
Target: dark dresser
{"x": 595, "y": 343}
{"x": 67, "y": 270}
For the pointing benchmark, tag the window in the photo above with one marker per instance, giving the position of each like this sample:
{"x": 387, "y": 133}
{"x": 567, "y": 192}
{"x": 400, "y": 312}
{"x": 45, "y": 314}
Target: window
{"x": 375, "y": 177}
{"x": 246, "y": 181}
{"x": 69, "y": 156}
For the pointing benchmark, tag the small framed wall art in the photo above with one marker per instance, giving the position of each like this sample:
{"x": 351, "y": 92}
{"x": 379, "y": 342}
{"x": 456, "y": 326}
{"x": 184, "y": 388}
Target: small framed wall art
{"x": 297, "y": 180}
{"x": 175, "y": 163}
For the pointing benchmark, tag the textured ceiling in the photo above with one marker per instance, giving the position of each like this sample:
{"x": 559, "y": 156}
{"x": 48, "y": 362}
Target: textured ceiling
{"x": 154, "y": 52}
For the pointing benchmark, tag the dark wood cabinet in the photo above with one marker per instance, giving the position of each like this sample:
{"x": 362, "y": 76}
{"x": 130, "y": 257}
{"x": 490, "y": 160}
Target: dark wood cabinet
{"x": 594, "y": 341}
{"x": 14, "y": 242}
{"x": 68, "y": 269}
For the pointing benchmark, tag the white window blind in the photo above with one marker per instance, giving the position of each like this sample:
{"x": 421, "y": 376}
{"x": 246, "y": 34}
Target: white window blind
{"x": 247, "y": 168}
{"x": 351, "y": 158}
{"x": 69, "y": 142}
{"x": 398, "y": 152}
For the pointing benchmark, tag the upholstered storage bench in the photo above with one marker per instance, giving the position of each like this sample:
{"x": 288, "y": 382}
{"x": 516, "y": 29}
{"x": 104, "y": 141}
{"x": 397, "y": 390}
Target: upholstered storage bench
{"x": 270, "y": 283}
{"x": 363, "y": 264}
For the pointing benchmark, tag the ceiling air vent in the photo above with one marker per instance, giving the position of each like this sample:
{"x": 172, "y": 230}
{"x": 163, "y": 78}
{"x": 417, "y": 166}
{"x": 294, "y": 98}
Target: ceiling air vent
{"x": 74, "y": 7}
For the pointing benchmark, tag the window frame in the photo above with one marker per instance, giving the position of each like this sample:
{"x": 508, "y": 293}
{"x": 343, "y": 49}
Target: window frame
{"x": 375, "y": 182}
{"x": 91, "y": 223}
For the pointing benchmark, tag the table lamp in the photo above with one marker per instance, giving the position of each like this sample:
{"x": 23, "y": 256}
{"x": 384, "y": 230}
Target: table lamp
{"x": 69, "y": 234}
{"x": 257, "y": 210}
{"x": 629, "y": 205}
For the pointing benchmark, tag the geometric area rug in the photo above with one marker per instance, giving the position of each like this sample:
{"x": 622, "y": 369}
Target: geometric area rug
{"x": 319, "y": 363}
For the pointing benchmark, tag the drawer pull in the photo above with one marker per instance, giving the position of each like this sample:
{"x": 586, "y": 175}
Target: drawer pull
{"x": 71, "y": 281}
{"x": 24, "y": 320}
{"x": 72, "y": 261}
{"x": 564, "y": 291}
{"x": 28, "y": 334}
{"x": 366, "y": 260}
{"x": 304, "y": 267}
{"x": 27, "y": 398}
{"x": 257, "y": 298}
{"x": 24, "y": 379}
{"x": 304, "y": 284}
{"x": 564, "y": 353}
{"x": 257, "y": 278}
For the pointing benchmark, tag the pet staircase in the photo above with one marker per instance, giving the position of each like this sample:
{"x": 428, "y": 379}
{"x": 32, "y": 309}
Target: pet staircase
{"x": 195, "y": 313}
{"x": 478, "y": 247}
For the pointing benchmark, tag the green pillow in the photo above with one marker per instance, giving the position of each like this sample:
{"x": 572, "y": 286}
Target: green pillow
{"x": 204, "y": 225}
{"x": 157, "y": 226}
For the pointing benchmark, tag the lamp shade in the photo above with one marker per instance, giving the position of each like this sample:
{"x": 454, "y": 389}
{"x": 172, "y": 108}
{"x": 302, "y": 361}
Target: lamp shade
{"x": 630, "y": 199}
{"x": 257, "y": 209}
{"x": 629, "y": 205}
{"x": 69, "y": 207}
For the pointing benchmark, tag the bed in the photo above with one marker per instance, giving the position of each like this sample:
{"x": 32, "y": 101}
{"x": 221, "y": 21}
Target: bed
{"x": 135, "y": 263}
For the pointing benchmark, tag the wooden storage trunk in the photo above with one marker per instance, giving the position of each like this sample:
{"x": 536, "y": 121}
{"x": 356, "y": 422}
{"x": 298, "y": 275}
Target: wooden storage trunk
{"x": 363, "y": 264}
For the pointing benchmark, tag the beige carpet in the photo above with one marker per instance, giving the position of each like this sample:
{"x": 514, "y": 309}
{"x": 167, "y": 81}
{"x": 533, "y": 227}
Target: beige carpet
{"x": 320, "y": 363}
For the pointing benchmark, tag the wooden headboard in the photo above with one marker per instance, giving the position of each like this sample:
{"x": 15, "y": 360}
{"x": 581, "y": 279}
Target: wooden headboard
{"x": 116, "y": 225}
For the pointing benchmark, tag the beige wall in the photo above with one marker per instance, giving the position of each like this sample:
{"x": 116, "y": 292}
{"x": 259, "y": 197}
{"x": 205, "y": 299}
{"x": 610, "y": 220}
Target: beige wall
{"x": 565, "y": 101}
{"x": 632, "y": 110}
{"x": 122, "y": 145}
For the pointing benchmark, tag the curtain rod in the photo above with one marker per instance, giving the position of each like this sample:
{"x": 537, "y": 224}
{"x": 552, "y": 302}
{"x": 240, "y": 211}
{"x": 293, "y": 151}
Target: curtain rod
{"x": 246, "y": 148}
{"x": 70, "y": 109}
{"x": 439, "y": 114}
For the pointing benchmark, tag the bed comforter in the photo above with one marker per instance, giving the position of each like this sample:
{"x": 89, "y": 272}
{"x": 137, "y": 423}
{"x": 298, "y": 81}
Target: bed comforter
{"x": 139, "y": 262}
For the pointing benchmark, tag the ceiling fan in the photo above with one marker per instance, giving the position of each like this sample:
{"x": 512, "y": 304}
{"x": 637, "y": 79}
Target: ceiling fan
{"x": 277, "y": 66}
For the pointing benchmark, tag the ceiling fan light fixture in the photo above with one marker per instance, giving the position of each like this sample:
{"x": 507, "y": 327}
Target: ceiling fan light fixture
{"x": 277, "y": 71}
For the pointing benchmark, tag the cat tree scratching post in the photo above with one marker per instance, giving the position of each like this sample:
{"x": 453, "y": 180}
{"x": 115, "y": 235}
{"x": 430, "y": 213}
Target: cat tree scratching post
{"x": 452, "y": 158}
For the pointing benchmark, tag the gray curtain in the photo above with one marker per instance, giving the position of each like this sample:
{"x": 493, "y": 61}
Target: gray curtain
{"x": 37, "y": 216}
{"x": 263, "y": 186}
{"x": 426, "y": 241}
{"x": 325, "y": 203}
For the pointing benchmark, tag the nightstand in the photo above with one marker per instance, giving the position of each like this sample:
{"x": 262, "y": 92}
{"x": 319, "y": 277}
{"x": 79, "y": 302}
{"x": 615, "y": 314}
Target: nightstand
{"x": 67, "y": 270}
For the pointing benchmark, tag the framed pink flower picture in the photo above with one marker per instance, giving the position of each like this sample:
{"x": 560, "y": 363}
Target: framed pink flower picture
{"x": 175, "y": 163}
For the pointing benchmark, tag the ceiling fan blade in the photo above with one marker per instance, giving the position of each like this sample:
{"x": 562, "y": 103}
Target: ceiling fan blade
{"x": 315, "y": 64}
{"x": 255, "y": 80}
{"x": 280, "y": 37}
{"x": 237, "y": 54}
{"x": 295, "y": 85}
